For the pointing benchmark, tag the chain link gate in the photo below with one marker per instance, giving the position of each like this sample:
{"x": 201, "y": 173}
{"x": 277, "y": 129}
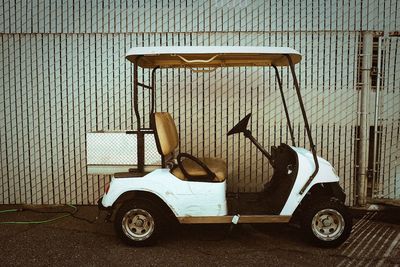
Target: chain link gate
{"x": 386, "y": 148}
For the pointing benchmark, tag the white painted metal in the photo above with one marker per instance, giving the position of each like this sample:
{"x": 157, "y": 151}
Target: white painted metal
{"x": 208, "y": 199}
{"x": 185, "y": 198}
{"x": 206, "y": 56}
{"x": 306, "y": 167}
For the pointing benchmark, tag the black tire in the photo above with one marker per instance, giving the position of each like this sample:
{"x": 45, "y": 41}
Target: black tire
{"x": 338, "y": 222}
{"x": 147, "y": 228}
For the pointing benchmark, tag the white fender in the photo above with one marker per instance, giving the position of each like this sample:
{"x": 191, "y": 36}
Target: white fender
{"x": 326, "y": 174}
{"x": 185, "y": 198}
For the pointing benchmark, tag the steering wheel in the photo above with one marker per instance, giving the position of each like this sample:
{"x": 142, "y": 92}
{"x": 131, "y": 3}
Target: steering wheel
{"x": 241, "y": 126}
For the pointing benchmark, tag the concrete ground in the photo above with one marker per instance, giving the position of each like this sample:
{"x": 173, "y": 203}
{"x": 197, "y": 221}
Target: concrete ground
{"x": 74, "y": 242}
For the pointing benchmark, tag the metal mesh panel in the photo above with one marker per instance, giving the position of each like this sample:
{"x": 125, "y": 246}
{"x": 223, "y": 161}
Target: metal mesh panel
{"x": 388, "y": 149}
{"x": 121, "y": 16}
{"x": 151, "y": 157}
{"x": 111, "y": 152}
{"x": 63, "y": 74}
{"x": 111, "y": 148}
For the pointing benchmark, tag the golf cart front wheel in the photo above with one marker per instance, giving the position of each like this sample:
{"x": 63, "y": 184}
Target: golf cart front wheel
{"x": 137, "y": 223}
{"x": 327, "y": 223}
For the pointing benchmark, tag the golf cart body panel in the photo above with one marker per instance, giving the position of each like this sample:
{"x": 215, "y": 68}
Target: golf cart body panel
{"x": 211, "y": 56}
{"x": 184, "y": 198}
{"x": 188, "y": 198}
{"x": 326, "y": 174}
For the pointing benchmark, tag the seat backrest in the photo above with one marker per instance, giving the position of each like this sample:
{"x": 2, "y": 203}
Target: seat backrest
{"x": 165, "y": 132}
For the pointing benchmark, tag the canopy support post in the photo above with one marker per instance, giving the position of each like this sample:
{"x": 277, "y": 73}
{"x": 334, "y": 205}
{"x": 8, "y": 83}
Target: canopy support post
{"x": 306, "y": 125}
{"x": 284, "y": 105}
{"x": 141, "y": 130}
{"x": 153, "y": 92}
{"x": 140, "y": 134}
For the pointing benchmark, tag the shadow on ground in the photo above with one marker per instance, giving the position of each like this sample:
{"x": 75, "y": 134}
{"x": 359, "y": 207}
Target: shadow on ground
{"x": 74, "y": 242}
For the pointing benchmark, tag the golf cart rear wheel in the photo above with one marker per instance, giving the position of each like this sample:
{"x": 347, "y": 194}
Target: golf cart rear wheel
{"x": 327, "y": 223}
{"x": 137, "y": 223}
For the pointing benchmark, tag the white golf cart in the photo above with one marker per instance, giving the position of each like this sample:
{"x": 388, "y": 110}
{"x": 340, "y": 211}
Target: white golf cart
{"x": 192, "y": 190}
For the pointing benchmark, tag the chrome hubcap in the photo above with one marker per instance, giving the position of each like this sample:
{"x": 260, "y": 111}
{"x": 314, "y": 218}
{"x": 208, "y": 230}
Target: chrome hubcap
{"x": 138, "y": 224}
{"x": 327, "y": 224}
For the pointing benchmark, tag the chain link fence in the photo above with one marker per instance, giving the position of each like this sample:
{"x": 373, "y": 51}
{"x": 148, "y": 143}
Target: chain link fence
{"x": 387, "y": 151}
{"x": 63, "y": 74}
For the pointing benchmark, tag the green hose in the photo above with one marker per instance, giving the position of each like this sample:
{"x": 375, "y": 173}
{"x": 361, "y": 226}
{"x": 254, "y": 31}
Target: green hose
{"x": 12, "y": 210}
{"x": 39, "y": 222}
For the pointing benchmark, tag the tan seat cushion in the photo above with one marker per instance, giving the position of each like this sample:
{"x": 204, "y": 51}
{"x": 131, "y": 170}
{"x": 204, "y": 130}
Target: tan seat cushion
{"x": 165, "y": 132}
{"x": 216, "y": 165}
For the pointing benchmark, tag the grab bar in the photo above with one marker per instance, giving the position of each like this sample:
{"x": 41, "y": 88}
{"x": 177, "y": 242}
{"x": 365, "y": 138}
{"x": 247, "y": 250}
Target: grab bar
{"x": 197, "y": 60}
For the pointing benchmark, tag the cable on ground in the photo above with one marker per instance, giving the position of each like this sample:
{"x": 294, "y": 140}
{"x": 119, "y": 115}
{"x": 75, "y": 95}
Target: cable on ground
{"x": 68, "y": 213}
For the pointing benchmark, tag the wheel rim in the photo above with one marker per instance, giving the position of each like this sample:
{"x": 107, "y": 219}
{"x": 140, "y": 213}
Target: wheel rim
{"x": 138, "y": 224}
{"x": 328, "y": 224}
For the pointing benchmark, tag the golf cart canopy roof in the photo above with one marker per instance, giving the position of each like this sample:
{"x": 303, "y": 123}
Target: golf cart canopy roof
{"x": 211, "y": 56}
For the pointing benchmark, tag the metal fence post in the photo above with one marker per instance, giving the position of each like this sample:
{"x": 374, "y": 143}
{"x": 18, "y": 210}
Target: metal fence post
{"x": 377, "y": 130}
{"x": 364, "y": 128}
